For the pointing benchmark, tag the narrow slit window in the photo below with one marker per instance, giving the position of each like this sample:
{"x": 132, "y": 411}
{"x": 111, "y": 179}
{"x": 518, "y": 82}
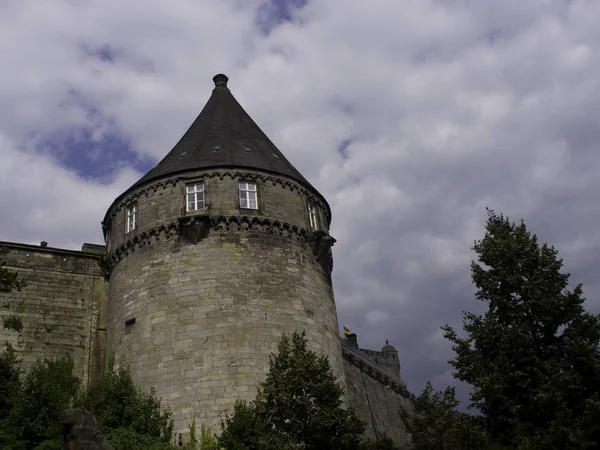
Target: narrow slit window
{"x": 248, "y": 197}
{"x": 195, "y": 196}
{"x": 132, "y": 213}
{"x": 312, "y": 216}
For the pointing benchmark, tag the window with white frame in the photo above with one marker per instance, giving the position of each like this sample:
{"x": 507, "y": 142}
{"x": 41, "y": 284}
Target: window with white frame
{"x": 248, "y": 198}
{"x": 132, "y": 213}
{"x": 195, "y": 196}
{"x": 312, "y": 216}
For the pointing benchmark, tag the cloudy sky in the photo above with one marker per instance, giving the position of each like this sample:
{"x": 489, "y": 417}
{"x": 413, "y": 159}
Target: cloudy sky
{"x": 409, "y": 116}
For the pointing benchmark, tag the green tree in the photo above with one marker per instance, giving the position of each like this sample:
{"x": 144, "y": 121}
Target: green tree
{"x": 9, "y": 379}
{"x": 9, "y": 279}
{"x": 533, "y": 357}
{"x": 33, "y": 419}
{"x": 9, "y": 387}
{"x": 298, "y": 406}
{"x": 208, "y": 440}
{"x": 129, "y": 418}
{"x": 245, "y": 429}
{"x": 434, "y": 422}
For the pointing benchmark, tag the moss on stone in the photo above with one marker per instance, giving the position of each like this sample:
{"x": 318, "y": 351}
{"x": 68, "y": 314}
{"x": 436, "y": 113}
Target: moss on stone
{"x": 13, "y": 322}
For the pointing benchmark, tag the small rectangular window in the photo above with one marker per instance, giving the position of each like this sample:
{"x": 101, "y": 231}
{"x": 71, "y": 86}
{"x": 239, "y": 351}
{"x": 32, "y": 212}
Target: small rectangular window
{"x": 248, "y": 198}
{"x": 131, "y": 217}
{"x": 312, "y": 216}
{"x": 195, "y": 196}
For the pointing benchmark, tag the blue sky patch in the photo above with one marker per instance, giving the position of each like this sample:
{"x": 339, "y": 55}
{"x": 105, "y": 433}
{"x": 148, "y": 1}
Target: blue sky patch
{"x": 343, "y": 148}
{"x": 92, "y": 154}
{"x": 276, "y": 12}
{"x": 95, "y": 150}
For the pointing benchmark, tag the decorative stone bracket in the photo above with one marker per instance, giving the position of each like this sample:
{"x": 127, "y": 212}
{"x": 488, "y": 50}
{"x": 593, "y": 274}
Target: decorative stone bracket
{"x": 194, "y": 228}
{"x": 320, "y": 243}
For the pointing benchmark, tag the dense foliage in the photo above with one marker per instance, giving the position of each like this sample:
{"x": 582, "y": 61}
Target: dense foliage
{"x": 298, "y": 406}
{"x": 9, "y": 382}
{"x": 206, "y": 441}
{"x": 129, "y": 418}
{"x": 12, "y": 322}
{"x": 9, "y": 279}
{"x": 31, "y": 404}
{"x": 434, "y": 422}
{"x": 533, "y": 358}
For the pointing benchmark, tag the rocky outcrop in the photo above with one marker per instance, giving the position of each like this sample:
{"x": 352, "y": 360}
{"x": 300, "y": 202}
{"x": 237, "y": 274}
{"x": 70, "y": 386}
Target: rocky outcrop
{"x": 81, "y": 431}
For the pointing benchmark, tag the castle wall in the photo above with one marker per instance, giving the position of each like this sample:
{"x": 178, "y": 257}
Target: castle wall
{"x": 376, "y": 398}
{"x": 61, "y": 309}
{"x": 389, "y": 361}
{"x": 209, "y": 307}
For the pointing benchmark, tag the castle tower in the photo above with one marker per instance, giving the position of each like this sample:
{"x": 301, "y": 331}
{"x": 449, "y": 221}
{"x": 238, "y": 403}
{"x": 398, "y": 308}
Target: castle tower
{"x": 390, "y": 359}
{"x": 212, "y": 255}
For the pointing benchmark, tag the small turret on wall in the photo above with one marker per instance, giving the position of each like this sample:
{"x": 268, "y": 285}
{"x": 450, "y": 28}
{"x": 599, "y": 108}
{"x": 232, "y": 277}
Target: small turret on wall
{"x": 387, "y": 358}
{"x": 374, "y": 388}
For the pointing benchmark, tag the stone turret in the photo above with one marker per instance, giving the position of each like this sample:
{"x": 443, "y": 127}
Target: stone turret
{"x": 390, "y": 360}
{"x": 387, "y": 359}
{"x": 212, "y": 255}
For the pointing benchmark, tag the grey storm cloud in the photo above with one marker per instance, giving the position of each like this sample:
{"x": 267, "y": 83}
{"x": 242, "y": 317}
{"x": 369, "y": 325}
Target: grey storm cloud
{"x": 410, "y": 117}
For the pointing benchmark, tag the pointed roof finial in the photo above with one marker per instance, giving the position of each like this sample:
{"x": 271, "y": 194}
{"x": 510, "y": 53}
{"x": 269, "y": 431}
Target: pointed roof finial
{"x": 220, "y": 80}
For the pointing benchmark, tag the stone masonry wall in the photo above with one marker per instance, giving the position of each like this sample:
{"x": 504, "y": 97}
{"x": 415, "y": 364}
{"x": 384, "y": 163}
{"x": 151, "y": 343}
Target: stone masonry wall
{"x": 196, "y": 316}
{"x": 389, "y": 361}
{"x": 376, "y": 403}
{"x": 62, "y": 308}
{"x": 164, "y": 201}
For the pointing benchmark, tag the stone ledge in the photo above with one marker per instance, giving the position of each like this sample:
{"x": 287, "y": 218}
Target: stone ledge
{"x": 53, "y": 250}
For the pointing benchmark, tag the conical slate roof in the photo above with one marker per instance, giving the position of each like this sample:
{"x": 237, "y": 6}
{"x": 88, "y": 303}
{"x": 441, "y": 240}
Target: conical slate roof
{"x": 225, "y": 136}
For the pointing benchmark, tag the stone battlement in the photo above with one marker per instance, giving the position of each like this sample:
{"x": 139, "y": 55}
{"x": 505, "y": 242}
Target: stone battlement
{"x": 387, "y": 359}
{"x": 382, "y": 365}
